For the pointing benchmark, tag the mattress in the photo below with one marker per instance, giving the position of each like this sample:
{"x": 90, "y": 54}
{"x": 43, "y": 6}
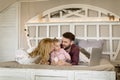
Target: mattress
{"x": 105, "y": 65}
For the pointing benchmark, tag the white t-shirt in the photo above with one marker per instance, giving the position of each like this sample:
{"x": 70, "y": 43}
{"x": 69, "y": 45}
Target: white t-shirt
{"x": 23, "y": 57}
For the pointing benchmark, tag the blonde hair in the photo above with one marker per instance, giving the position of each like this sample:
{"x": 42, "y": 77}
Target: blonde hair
{"x": 55, "y": 40}
{"x": 43, "y": 50}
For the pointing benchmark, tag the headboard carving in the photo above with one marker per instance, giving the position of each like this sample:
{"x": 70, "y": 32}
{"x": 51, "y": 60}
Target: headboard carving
{"x": 75, "y": 13}
{"x": 85, "y": 21}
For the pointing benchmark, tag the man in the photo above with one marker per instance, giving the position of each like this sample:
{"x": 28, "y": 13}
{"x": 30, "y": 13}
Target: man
{"x": 68, "y": 45}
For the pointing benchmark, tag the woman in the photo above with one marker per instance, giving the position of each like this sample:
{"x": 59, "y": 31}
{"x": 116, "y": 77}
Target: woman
{"x": 40, "y": 55}
{"x": 45, "y": 47}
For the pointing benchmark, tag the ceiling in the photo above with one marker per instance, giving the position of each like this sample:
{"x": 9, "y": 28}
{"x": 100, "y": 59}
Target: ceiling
{"x": 6, "y": 3}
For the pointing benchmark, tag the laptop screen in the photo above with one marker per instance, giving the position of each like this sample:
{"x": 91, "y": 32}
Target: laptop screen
{"x": 95, "y": 56}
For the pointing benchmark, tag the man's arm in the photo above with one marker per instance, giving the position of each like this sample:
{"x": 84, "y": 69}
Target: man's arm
{"x": 75, "y": 56}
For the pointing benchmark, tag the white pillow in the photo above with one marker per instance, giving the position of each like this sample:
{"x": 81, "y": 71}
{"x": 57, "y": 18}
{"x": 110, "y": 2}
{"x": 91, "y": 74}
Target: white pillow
{"x": 89, "y": 49}
{"x": 23, "y": 57}
{"x": 91, "y": 43}
{"x": 83, "y": 57}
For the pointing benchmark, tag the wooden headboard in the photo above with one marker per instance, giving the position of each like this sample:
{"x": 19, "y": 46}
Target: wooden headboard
{"x": 108, "y": 31}
{"x": 85, "y": 21}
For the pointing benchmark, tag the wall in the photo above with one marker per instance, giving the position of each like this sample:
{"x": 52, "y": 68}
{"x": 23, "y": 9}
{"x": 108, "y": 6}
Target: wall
{"x": 8, "y": 33}
{"x": 29, "y": 10}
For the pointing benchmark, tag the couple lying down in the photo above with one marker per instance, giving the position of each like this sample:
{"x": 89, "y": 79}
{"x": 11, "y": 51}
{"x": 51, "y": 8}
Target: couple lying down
{"x": 50, "y": 51}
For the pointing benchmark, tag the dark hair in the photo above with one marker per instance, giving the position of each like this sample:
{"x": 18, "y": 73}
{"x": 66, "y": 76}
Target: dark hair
{"x": 69, "y": 35}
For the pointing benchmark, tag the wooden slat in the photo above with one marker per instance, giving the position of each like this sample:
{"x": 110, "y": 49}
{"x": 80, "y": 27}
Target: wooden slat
{"x": 72, "y": 25}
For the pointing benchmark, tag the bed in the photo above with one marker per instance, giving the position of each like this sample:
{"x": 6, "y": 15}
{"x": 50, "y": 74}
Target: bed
{"x": 12, "y": 70}
{"x": 105, "y": 71}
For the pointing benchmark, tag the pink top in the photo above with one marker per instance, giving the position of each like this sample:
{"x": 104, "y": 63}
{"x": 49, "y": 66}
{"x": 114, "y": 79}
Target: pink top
{"x": 60, "y": 55}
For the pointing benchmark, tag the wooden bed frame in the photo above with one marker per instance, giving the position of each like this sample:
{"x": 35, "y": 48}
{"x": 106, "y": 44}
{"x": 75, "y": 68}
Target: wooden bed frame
{"x": 46, "y": 74}
{"x": 82, "y": 30}
{"x": 28, "y": 73}
{"x": 107, "y": 31}
{"x": 85, "y": 21}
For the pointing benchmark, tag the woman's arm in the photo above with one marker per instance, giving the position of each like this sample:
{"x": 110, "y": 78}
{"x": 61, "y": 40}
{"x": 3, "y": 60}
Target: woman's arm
{"x": 23, "y": 57}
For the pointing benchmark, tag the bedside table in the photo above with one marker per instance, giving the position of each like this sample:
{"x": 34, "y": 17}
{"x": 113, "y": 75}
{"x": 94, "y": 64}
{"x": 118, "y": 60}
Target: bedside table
{"x": 117, "y": 69}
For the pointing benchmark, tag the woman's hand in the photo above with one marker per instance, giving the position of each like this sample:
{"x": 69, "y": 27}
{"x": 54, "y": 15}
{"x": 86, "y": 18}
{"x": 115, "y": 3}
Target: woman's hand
{"x": 63, "y": 63}
{"x": 53, "y": 63}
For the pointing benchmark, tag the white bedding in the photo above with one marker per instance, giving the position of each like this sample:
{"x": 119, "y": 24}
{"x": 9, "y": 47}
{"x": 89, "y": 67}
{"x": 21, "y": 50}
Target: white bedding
{"x": 105, "y": 65}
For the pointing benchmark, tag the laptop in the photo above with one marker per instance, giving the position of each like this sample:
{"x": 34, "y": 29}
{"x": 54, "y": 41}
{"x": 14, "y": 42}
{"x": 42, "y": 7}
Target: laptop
{"x": 95, "y": 57}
